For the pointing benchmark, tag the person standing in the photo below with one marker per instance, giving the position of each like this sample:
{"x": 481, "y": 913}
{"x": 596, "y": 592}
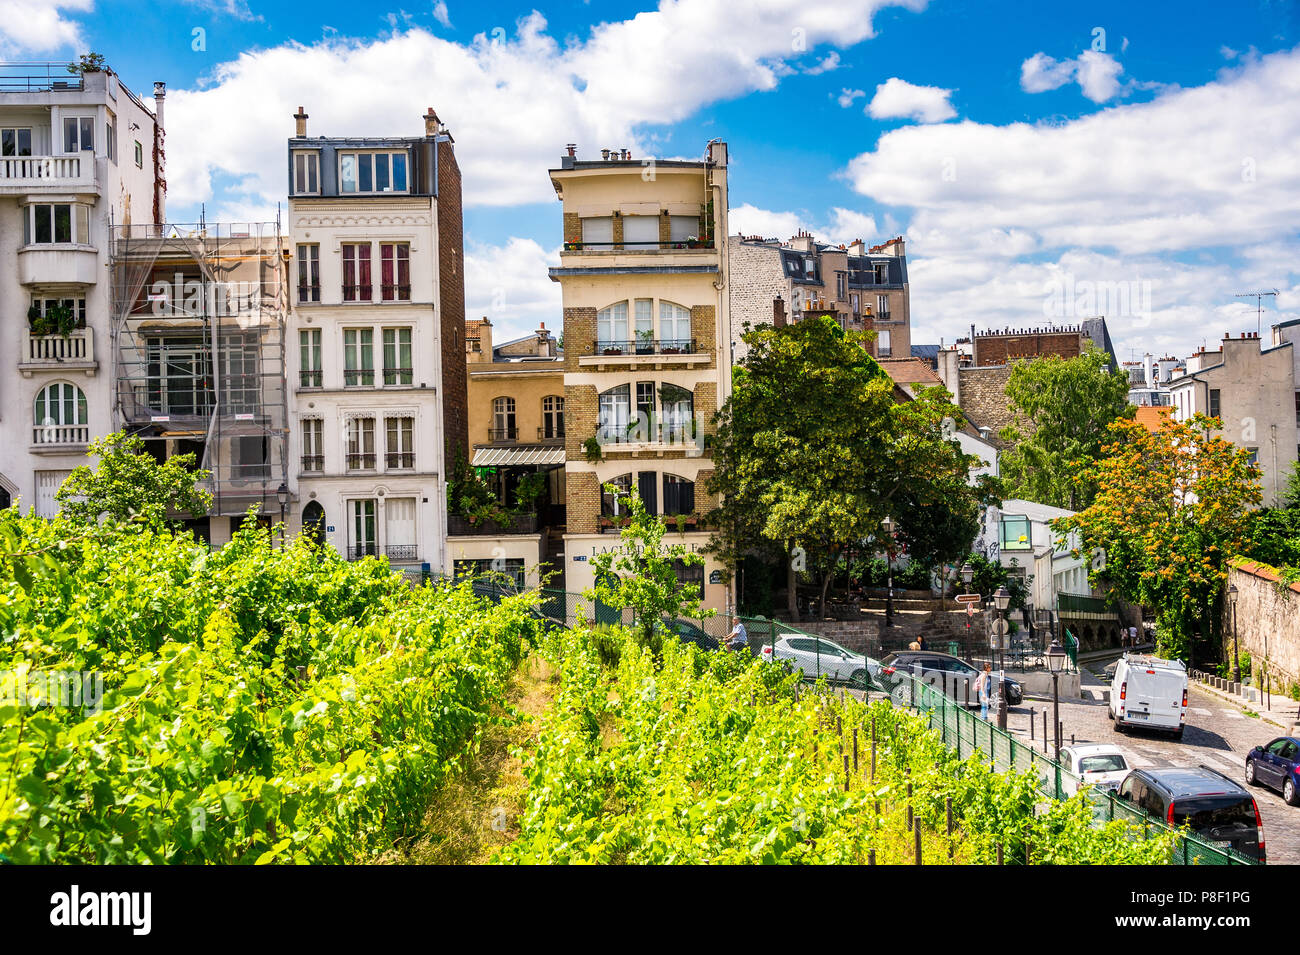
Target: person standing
{"x": 984, "y": 689}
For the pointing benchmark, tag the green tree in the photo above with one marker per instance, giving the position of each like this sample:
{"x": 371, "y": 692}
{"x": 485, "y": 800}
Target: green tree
{"x": 88, "y": 63}
{"x": 642, "y": 575}
{"x": 129, "y": 484}
{"x": 1172, "y": 506}
{"x": 815, "y": 449}
{"x": 1062, "y": 407}
{"x": 1275, "y": 531}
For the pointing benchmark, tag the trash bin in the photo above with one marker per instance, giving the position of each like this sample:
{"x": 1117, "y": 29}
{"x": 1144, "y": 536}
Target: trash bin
{"x": 953, "y": 647}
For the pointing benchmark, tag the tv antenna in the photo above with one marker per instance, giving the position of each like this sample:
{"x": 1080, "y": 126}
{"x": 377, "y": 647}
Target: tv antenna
{"x": 1259, "y": 306}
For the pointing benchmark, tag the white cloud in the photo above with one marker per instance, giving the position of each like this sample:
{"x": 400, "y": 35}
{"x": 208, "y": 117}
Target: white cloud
{"x": 511, "y": 101}
{"x": 509, "y": 284}
{"x": 847, "y": 96}
{"x": 831, "y": 62}
{"x": 441, "y": 15}
{"x": 844, "y": 225}
{"x": 41, "y": 26}
{"x": 1123, "y": 195}
{"x": 1096, "y": 73}
{"x": 236, "y": 9}
{"x": 898, "y": 99}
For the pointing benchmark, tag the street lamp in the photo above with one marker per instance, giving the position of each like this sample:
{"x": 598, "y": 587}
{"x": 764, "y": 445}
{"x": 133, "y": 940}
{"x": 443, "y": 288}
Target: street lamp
{"x": 1056, "y": 663}
{"x": 1002, "y": 600}
{"x": 889, "y": 525}
{"x": 967, "y": 575}
{"x": 282, "y": 495}
{"x": 1232, "y": 605}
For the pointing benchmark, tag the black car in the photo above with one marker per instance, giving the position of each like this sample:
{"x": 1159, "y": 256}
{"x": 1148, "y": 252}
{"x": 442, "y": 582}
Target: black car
{"x": 944, "y": 669}
{"x": 1276, "y": 765}
{"x": 688, "y": 632}
{"x": 1215, "y": 808}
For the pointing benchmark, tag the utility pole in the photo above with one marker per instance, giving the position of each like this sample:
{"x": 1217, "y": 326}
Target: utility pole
{"x": 1259, "y": 306}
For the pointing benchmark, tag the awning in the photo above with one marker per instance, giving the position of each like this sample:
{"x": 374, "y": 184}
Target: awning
{"x": 517, "y": 456}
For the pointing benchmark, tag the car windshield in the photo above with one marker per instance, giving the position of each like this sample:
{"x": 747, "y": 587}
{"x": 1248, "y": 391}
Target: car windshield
{"x": 1225, "y": 813}
{"x": 1107, "y": 763}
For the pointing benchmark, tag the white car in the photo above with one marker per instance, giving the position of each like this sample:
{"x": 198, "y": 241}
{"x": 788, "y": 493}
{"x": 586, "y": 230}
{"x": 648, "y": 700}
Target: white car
{"x": 1099, "y": 765}
{"x": 816, "y": 657}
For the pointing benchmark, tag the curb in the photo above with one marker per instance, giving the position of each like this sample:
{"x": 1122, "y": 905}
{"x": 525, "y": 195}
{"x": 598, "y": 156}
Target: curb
{"x": 1237, "y": 701}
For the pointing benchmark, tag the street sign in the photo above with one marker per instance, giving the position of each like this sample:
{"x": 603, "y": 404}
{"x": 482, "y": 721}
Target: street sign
{"x": 970, "y": 611}
{"x": 998, "y": 626}
{"x": 969, "y": 598}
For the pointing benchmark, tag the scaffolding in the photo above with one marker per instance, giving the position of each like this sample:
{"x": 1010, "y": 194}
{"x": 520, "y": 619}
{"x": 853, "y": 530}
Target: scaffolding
{"x": 198, "y": 344}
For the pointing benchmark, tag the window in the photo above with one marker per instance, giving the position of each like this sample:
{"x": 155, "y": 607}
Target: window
{"x": 361, "y": 529}
{"x": 309, "y": 273}
{"x": 15, "y": 141}
{"x": 309, "y": 348}
{"x": 313, "y": 449}
{"x": 855, "y": 304}
{"x": 400, "y": 447}
{"x": 647, "y": 487}
{"x": 361, "y": 444}
{"x": 840, "y": 287}
{"x": 370, "y": 172}
{"x": 1016, "y": 533}
{"x": 678, "y": 414}
{"x": 76, "y": 305}
{"x": 395, "y": 271}
{"x": 503, "y": 420}
{"x": 1252, "y": 455}
{"x": 139, "y": 155}
{"x": 358, "y": 356}
{"x": 238, "y": 373}
{"x": 679, "y": 495}
{"x": 609, "y": 506}
{"x": 1297, "y": 408}
{"x": 252, "y": 457}
{"x": 615, "y": 413}
{"x": 60, "y": 415}
{"x": 399, "y": 529}
{"x": 598, "y": 231}
{"x": 640, "y": 232}
{"x": 690, "y": 578}
{"x": 397, "y": 356}
{"x": 644, "y": 310}
{"x": 306, "y": 172}
{"x": 883, "y": 346}
{"x": 178, "y": 376}
{"x": 57, "y": 222}
{"x": 1215, "y": 403}
{"x": 356, "y": 273}
{"x": 78, "y": 134}
{"x": 552, "y": 416}
{"x": 882, "y": 307}
{"x": 110, "y": 141}
{"x": 881, "y": 270}
{"x": 611, "y": 327}
{"x": 683, "y": 228}
{"x": 674, "y": 326}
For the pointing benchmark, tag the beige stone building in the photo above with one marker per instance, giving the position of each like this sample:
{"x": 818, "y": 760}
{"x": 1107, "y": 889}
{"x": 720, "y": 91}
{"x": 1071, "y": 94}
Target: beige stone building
{"x": 647, "y": 332}
{"x": 864, "y": 288}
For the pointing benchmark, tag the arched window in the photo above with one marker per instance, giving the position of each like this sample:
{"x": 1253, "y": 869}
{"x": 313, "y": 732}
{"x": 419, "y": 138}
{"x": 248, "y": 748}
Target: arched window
{"x": 503, "y": 419}
{"x": 552, "y": 416}
{"x": 607, "y": 501}
{"x": 611, "y": 329}
{"x": 679, "y": 495}
{"x": 313, "y": 523}
{"x": 59, "y": 415}
{"x": 674, "y": 326}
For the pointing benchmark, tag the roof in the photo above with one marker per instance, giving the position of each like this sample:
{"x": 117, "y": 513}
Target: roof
{"x": 909, "y": 371}
{"x": 1033, "y": 510}
{"x": 926, "y": 352}
{"x": 1202, "y": 781}
{"x": 1152, "y": 416}
{"x": 517, "y": 456}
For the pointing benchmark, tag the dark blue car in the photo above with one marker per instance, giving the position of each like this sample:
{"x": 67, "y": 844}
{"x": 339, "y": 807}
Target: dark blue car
{"x": 1276, "y": 765}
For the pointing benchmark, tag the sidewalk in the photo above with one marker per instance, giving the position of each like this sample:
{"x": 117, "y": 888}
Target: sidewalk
{"x": 1283, "y": 712}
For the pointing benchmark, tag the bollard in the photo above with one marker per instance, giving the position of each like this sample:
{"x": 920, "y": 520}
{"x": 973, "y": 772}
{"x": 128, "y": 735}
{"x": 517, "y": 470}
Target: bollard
{"x": 1044, "y": 729}
{"x": 871, "y": 857}
{"x": 855, "y": 751}
{"x": 1031, "y": 724}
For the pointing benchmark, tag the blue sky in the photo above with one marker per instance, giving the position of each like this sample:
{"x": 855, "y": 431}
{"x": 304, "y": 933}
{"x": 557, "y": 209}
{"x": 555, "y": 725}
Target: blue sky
{"x": 1044, "y": 161}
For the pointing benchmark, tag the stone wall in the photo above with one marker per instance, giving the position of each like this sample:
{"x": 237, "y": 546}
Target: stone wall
{"x": 1266, "y": 611}
{"x": 998, "y": 349}
{"x": 582, "y": 507}
{"x": 756, "y": 279}
{"x": 581, "y": 415}
{"x": 579, "y": 334}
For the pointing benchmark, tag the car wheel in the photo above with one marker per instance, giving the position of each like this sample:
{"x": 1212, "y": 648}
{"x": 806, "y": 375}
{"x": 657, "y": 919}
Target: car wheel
{"x": 1288, "y": 791}
{"x": 1178, "y": 733}
{"x": 1250, "y": 773}
{"x": 1118, "y": 727}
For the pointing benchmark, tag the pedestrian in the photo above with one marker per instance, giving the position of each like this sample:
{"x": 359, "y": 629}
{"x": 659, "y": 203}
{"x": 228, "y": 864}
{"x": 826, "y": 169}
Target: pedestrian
{"x": 920, "y": 642}
{"x": 984, "y": 689}
{"x": 738, "y": 639}
{"x": 914, "y": 645}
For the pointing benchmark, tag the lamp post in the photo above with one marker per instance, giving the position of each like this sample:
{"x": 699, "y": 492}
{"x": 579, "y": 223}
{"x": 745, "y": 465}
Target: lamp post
{"x": 888, "y": 525}
{"x": 1056, "y": 658}
{"x": 282, "y": 495}
{"x": 1002, "y": 600}
{"x": 1232, "y": 606}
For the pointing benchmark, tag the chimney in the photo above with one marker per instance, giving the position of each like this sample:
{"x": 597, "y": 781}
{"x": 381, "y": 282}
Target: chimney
{"x": 604, "y": 154}
{"x": 300, "y": 124}
{"x": 572, "y": 149}
{"x": 778, "y": 312}
{"x": 159, "y": 94}
{"x": 431, "y": 123}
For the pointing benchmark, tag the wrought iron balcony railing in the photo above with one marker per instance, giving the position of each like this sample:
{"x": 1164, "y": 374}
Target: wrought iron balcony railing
{"x": 644, "y": 346}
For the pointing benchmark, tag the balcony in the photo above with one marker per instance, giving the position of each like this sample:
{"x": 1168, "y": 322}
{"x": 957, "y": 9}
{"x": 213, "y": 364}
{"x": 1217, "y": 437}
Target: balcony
{"x": 361, "y": 462}
{"x": 458, "y": 526}
{"x": 22, "y": 175}
{"x": 403, "y": 553}
{"x": 358, "y": 551}
{"x": 399, "y": 461}
{"x": 310, "y": 378}
{"x": 60, "y": 439}
{"x": 644, "y": 353}
{"x": 503, "y": 434}
{"x": 313, "y": 463}
{"x": 62, "y": 263}
{"x": 551, "y": 435}
{"x": 61, "y": 353}
{"x": 398, "y": 376}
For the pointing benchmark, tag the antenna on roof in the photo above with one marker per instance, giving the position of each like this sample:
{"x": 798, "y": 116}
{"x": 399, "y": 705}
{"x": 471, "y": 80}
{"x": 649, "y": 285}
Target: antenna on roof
{"x": 1259, "y": 306}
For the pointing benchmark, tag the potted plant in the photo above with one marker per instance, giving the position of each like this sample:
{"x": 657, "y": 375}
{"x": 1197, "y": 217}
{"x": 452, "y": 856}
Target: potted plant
{"x": 39, "y": 322}
{"x": 610, "y": 348}
{"x": 572, "y": 245}
{"x": 63, "y": 318}
{"x": 591, "y": 448}
{"x": 530, "y": 490}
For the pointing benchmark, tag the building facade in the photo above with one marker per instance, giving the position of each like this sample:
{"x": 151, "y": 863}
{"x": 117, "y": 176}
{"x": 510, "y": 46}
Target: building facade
{"x": 647, "y": 332}
{"x": 377, "y": 349}
{"x": 864, "y": 289}
{"x": 79, "y": 157}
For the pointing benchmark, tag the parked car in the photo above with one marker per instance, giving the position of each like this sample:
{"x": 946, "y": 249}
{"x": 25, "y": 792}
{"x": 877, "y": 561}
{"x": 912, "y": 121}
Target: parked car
{"x": 1276, "y": 765}
{"x": 816, "y": 657}
{"x": 1099, "y": 765}
{"x": 1214, "y": 807}
{"x": 688, "y": 632}
{"x": 1149, "y": 692}
{"x": 940, "y": 669}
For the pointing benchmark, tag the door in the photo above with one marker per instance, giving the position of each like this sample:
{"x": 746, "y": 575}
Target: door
{"x": 832, "y": 659}
{"x": 1271, "y": 769}
{"x": 806, "y": 658}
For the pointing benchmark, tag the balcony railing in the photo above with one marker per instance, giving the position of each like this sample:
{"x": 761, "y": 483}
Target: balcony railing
{"x": 395, "y": 293}
{"x": 503, "y": 434}
{"x": 659, "y": 432}
{"x": 636, "y": 245}
{"x": 77, "y": 348}
{"x": 644, "y": 346}
{"x": 361, "y": 462}
{"x": 37, "y": 78}
{"x": 311, "y": 378}
{"x": 50, "y": 170}
{"x": 398, "y": 376}
{"x": 358, "y": 551}
{"x": 1083, "y": 603}
{"x": 359, "y": 376}
{"x": 309, "y": 293}
{"x": 550, "y": 434}
{"x": 458, "y": 526}
{"x": 402, "y": 552}
{"x": 356, "y": 293}
{"x": 313, "y": 462}
{"x": 60, "y": 434}
{"x": 399, "y": 460}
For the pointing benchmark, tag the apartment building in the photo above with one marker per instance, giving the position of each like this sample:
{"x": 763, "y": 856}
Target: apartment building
{"x": 864, "y": 288}
{"x": 516, "y": 429}
{"x": 377, "y": 350}
{"x": 79, "y": 156}
{"x": 1252, "y": 390}
{"x": 647, "y": 333}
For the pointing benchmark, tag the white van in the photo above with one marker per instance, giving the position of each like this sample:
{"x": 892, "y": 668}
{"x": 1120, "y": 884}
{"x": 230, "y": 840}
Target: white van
{"x": 1149, "y": 692}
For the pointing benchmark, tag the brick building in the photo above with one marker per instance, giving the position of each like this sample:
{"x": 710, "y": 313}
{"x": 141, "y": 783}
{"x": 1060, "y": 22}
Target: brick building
{"x": 644, "y": 279}
{"x": 865, "y": 289}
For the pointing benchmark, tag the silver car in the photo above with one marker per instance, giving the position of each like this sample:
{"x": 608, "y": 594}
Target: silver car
{"x": 815, "y": 657}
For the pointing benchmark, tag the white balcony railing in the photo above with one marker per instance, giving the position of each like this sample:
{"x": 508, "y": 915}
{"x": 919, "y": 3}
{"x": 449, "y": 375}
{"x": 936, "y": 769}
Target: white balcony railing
{"x": 27, "y": 172}
{"x": 73, "y": 352}
{"x": 60, "y": 434}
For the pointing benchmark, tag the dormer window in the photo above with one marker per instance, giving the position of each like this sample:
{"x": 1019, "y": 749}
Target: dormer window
{"x": 362, "y": 173}
{"x": 306, "y": 173}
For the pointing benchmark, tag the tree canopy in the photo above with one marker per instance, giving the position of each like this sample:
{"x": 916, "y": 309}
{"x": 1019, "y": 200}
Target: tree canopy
{"x": 1063, "y": 408}
{"x": 129, "y": 484}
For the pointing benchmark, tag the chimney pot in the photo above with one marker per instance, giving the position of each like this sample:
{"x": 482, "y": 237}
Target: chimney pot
{"x": 431, "y": 122}
{"x": 300, "y": 123}
{"x": 572, "y": 149}
{"x": 604, "y": 154}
